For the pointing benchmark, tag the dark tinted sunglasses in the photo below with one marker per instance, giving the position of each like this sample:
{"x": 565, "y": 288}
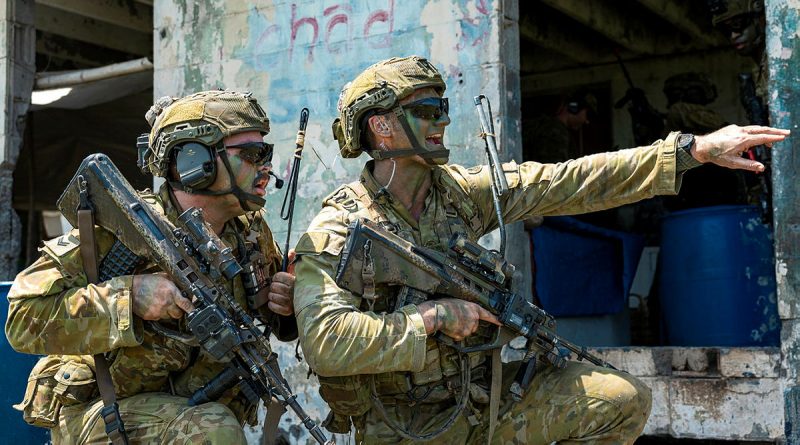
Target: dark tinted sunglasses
{"x": 257, "y": 153}
{"x": 430, "y": 108}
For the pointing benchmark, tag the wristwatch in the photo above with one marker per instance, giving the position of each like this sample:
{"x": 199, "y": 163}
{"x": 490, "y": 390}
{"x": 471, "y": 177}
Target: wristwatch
{"x": 685, "y": 142}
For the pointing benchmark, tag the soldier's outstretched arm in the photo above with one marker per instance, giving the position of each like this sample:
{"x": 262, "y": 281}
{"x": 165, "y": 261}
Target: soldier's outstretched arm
{"x": 605, "y": 180}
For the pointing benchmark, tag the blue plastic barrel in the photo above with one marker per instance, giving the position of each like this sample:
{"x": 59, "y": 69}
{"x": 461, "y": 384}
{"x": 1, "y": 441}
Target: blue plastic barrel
{"x": 15, "y": 367}
{"x": 717, "y": 278}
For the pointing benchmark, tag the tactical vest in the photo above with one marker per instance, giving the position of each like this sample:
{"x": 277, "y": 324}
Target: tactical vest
{"x": 350, "y": 396}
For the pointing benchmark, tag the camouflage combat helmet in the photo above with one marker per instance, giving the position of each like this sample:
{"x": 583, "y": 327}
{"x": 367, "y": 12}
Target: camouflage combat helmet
{"x": 205, "y": 117}
{"x": 691, "y": 87}
{"x": 723, "y": 10}
{"x": 379, "y": 88}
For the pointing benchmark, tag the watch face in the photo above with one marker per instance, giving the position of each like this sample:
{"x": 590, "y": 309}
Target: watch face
{"x": 685, "y": 141}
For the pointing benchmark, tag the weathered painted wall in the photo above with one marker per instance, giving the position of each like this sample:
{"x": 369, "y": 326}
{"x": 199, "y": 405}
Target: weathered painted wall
{"x": 783, "y": 51}
{"x": 17, "y": 59}
{"x": 299, "y": 54}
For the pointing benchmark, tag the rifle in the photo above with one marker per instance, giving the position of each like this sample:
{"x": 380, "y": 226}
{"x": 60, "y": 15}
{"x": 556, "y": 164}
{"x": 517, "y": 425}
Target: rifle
{"x": 200, "y": 265}
{"x": 373, "y": 257}
{"x": 757, "y": 115}
{"x": 647, "y": 122}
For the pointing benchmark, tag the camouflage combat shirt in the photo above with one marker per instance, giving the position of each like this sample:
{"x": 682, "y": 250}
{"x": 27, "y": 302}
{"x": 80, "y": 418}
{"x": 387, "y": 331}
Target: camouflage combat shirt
{"x": 344, "y": 339}
{"x": 53, "y": 312}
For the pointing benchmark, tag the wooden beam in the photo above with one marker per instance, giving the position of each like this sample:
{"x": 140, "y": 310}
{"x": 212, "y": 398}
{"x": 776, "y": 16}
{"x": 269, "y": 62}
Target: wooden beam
{"x": 89, "y": 30}
{"x": 624, "y": 30}
{"x": 677, "y": 13}
{"x": 131, "y": 15}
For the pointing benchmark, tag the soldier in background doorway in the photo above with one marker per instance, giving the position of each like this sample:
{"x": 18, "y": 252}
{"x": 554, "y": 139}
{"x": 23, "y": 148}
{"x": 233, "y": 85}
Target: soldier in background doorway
{"x": 551, "y": 133}
{"x": 688, "y": 98}
{"x": 744, "y": 23}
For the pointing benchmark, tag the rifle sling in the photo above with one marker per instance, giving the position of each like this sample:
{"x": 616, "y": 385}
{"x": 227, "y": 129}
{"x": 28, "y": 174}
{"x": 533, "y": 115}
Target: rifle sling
{"x": 275, "y": 410}
{"x": 494, "y": 392}
{"x": 110, "y": 412}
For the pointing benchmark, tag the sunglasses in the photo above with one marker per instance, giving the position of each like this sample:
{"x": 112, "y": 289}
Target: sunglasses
{"x": 430, "y": 108}
{"x": 257, "y": 153}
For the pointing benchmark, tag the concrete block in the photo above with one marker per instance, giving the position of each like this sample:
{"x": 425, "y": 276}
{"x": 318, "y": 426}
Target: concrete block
{"x": 734, "y": 409}
{"x": 658, "y": 423}
{"x": 750, "y": 362}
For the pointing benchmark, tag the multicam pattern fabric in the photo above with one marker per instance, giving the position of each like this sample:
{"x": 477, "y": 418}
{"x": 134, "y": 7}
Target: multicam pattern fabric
{"x": 54, "y": 312}
{"x": 152, "y": 418}
{"x": 582, "y": 403}
{"x": 346, "y": 339}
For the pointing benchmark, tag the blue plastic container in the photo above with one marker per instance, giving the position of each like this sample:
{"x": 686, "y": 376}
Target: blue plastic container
{"x": 717, "y": 278}
{"x": 581, "y": 269}
{"x": 15, "y": 367}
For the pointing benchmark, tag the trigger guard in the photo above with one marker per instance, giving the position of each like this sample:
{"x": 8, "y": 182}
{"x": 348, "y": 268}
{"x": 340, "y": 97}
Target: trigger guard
{"x": 498, "y": 342}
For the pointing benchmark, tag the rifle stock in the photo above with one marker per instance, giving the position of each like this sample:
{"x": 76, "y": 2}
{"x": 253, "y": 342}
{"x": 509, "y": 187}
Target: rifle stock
{"x": 200, "y": 265}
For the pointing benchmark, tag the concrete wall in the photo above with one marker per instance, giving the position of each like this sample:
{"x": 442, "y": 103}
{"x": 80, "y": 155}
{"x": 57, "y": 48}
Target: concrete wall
{"x": 17, "y": 68}
{"x": 299, "y": 54}
{"x": 783, "y": 52}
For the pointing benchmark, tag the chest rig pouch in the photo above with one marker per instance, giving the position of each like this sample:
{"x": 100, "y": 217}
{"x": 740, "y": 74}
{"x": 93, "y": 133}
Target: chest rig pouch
{"x": 255, "y": 275}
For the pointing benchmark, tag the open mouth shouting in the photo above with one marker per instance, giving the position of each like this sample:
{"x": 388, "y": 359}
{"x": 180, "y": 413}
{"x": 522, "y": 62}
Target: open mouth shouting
{"x": 435, "y": 139}
{"x": 260, "y": 184}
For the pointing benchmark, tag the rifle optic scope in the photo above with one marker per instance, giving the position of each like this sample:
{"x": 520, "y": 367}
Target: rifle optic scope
{"x": 487, "y": 262}
{"x": 218, "y": 256}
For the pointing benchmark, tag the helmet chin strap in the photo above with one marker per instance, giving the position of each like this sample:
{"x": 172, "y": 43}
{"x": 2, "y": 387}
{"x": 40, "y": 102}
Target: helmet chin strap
{"x": 427, "y": 155}
{"x": 242, "y": 196}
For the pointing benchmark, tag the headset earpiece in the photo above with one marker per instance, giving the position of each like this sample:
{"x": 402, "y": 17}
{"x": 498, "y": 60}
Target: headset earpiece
{"x": 196, "y": 165}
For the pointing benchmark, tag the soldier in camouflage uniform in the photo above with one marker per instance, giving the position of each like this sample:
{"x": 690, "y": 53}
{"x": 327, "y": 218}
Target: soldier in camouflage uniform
{"x": 744, "y": 23}
{"x": 553, "y": 131}
{"x": 54, "y": 312}
{"x": 688, "y": 96}
{"x": 394, "y": 111}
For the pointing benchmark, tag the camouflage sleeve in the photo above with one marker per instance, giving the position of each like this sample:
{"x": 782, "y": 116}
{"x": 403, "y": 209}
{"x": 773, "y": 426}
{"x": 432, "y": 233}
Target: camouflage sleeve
{"x": 337, "y": 338}
{"x": 52, "y": 310}
{"x": 587, "y": 184}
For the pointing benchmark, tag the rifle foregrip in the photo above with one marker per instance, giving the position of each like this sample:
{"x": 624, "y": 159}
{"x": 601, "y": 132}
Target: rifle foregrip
{"x": 214, "y": 389}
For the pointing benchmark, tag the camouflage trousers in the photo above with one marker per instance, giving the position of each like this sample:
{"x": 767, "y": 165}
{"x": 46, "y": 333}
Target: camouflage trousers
{"x": 152, "y": 418}
{"x": 581, "y": 403}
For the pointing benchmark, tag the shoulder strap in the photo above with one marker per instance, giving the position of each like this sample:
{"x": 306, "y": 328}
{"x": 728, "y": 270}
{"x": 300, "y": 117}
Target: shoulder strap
{"x": 361, "y": 198}
{"x": 110, "y": 412}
